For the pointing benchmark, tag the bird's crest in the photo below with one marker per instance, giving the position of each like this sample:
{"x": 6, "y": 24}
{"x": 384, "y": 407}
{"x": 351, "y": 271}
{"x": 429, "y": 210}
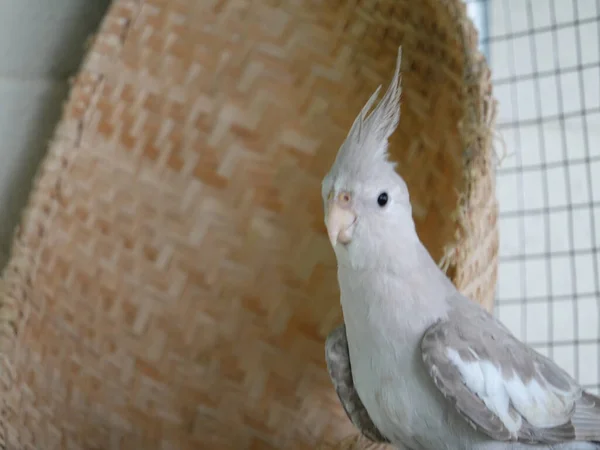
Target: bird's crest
{"x": 368, "y": 136}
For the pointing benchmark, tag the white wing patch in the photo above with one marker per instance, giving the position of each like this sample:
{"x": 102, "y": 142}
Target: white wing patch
{"x": 483, "y": 379}
{"x": 541, "y": 405}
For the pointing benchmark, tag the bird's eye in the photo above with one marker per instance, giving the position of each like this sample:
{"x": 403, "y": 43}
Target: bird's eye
{"x": 382, "y": 199}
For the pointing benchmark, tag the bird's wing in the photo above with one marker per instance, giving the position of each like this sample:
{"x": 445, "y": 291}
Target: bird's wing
{"x": 340, "y": 372}
{"x": 504, "y": 388}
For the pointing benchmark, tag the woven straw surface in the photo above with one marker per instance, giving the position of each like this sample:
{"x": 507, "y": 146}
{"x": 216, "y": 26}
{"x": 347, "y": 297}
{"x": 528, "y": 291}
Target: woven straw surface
{"x": 171, "y": 284}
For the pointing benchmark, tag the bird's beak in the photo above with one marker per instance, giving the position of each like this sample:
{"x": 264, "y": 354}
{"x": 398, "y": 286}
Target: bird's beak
{"x": 340, "y": 219}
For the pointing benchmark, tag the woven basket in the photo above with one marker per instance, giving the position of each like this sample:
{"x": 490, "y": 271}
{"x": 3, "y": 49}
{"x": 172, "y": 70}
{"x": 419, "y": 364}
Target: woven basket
{"x": 171, "y": 284}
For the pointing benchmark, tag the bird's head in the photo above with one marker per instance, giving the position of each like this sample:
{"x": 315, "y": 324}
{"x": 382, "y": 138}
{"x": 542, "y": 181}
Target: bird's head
{"x": 367, "y": 205}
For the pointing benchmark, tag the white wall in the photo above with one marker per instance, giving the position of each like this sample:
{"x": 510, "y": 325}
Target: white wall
{"x": 41, "y": 45}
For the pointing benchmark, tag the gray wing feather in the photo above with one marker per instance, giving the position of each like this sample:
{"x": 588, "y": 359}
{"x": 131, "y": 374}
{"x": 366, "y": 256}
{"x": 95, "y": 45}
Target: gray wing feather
{"x": 477, "y": 336}
{"x": 340, "y": 372}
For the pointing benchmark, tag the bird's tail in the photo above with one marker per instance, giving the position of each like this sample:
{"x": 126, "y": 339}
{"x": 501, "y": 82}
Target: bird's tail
{"x": 586, "y": 419}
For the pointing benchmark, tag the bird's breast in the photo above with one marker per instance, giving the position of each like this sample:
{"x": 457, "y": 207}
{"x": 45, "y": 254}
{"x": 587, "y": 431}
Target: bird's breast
{"x": 384, "y": 326}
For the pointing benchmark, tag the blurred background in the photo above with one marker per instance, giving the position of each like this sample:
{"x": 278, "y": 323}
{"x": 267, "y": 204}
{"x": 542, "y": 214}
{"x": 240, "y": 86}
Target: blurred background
{"x": 545, "y": 65}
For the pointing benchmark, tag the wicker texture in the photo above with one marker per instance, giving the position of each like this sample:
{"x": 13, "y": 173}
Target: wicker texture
{"x": 171, "y": 284}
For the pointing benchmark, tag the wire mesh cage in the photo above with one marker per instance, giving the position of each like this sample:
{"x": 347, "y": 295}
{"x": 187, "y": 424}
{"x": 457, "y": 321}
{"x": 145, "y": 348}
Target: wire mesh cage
{"x": 545, "y": 62}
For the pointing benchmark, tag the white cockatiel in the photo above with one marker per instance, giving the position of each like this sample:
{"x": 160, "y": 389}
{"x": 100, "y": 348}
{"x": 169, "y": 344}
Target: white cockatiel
{"x": 416, "y": 363}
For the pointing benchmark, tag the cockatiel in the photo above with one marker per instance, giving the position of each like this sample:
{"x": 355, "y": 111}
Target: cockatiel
{"x": 416, "y": 363}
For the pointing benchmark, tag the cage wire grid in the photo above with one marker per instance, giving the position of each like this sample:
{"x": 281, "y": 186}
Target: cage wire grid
{"x": 545, "y": 62}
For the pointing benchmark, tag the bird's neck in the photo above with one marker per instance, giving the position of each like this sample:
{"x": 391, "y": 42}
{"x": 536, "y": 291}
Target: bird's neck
{"x": 401, "y": 256}
{"x": 403, "y": 284}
